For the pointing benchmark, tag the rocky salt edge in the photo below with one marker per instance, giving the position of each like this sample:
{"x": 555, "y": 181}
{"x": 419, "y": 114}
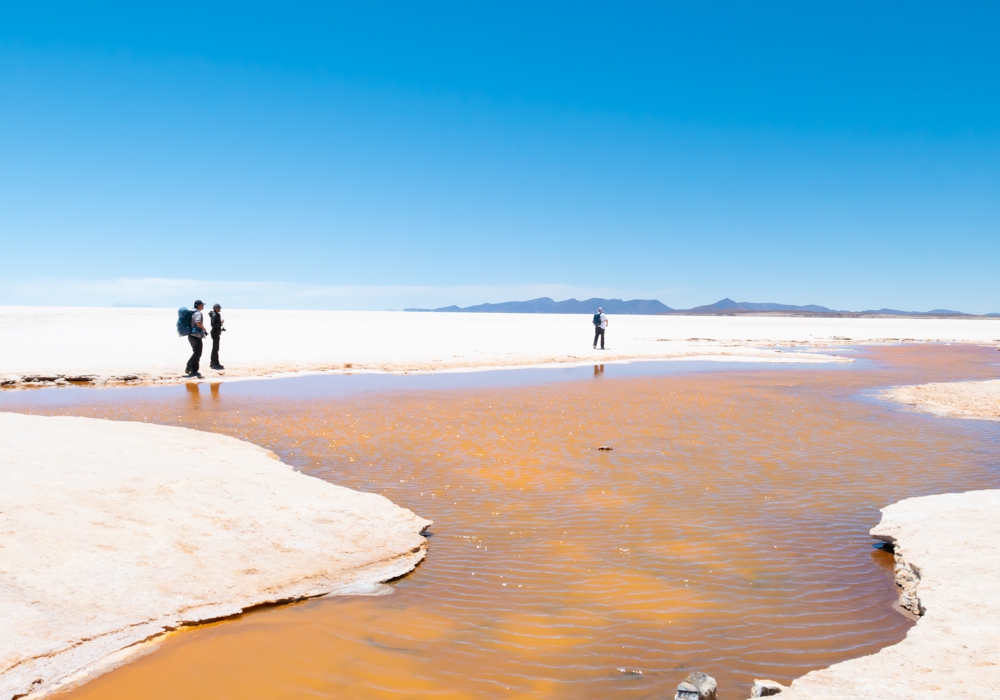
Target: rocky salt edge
{"x": 114, "y": 533}
{"x": 947, "y": 568}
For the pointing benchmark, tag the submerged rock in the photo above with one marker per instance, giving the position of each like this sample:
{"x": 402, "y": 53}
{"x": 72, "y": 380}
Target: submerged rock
{"x": 82, "y": 379}
{"x": 765, "y": 688}
{"x": 697, "y": 686}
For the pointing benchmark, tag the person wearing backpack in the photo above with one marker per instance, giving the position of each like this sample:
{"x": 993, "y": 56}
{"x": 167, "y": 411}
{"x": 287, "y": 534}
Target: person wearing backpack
{"x": 195, "y": 338}
{"x": 600, "y": 324}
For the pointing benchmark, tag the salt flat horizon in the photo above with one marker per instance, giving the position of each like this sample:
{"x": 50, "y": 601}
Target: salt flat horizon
{"x": 140, "y": 345}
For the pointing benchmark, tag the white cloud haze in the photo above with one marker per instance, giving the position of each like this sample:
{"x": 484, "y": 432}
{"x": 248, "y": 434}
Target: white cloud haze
{"x": 166, "y": 292}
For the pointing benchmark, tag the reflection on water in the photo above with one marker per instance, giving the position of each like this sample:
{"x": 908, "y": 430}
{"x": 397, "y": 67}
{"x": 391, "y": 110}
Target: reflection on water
{"x": 725, "y": 532}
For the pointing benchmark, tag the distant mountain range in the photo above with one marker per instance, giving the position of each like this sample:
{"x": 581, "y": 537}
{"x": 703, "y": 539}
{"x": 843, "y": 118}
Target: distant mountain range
{"x": 724, "y": 307}
{"x": 730, "y": 305}
{"x": 545, "y": 305}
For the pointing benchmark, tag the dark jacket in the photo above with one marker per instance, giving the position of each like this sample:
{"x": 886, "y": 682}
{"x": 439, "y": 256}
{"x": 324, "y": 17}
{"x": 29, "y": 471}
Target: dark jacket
{"x": 216, "y": 323}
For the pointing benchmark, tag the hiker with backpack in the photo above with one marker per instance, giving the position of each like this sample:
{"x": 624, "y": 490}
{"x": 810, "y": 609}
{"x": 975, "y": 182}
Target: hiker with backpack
{"x": 195, "y": 332}
{"x": 600, "y": 324}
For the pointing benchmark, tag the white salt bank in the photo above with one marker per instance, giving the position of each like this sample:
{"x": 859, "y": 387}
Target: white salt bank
{"x": 980, "y": 400}
{"x": 112, "y": 533}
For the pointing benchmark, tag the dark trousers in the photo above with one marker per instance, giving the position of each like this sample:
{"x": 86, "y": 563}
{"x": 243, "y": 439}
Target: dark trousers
{"x": 215, "y": 349}
{"x": 598, "y": 333}
{"x": 196, "y": 347}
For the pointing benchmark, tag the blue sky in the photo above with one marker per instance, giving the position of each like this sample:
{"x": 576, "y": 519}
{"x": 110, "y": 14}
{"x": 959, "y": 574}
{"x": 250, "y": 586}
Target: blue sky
{"x": 381, "y": 155}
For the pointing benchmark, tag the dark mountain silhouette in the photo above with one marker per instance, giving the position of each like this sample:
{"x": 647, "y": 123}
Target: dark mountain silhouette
{"x": 545, "y": 305}
{"x": 728, "y": 305}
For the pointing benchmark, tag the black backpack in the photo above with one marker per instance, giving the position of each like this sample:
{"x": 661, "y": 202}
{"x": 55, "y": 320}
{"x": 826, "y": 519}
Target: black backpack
{"x": 597, "y": 319}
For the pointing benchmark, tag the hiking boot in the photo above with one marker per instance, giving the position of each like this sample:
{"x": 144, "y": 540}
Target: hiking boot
{"x": 217, "y": 367}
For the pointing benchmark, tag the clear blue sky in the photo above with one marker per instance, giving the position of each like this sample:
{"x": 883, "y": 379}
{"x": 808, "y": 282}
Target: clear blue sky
{"x": 376, "y": 155}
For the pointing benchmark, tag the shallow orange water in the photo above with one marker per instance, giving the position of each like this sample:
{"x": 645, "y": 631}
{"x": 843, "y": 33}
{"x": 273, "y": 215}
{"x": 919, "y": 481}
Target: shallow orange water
{"x": 725, "y": 532}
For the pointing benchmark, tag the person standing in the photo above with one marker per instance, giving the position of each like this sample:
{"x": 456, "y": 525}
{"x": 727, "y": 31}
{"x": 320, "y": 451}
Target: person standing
{"x": 600, "y": 324}
{"x": 217, "y": 327}
{"x": 195, "y": 338}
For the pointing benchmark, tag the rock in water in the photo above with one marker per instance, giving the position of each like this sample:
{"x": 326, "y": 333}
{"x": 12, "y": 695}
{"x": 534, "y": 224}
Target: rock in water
{"x": 697, "y": 686}
{"x": 765, "y": 688}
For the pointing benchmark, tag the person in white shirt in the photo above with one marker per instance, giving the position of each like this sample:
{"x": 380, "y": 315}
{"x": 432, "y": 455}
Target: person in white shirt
{"x": 600, "y": 324}
{"x": 197, "y": 333}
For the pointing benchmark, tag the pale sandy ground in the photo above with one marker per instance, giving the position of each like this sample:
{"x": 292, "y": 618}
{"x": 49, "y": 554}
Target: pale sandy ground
{"x": 142, "y": 345}
{"x": 954, "y": 650}
{"x": 112, "y": 533}
{"x": 955, "y": 399}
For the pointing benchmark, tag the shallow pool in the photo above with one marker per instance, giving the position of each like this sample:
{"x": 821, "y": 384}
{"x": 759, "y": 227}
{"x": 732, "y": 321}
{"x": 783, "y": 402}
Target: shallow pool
{"x": 726, "y": 531}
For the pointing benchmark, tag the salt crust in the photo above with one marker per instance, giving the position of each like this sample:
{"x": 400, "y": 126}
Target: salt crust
{"x": 979, "y": 399}
{"x": 112, "y": 533}
{"x": 141, "y": 345}
{"x": 953, "y": 651}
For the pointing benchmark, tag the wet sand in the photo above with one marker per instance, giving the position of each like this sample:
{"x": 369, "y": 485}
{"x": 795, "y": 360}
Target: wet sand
{"x": 727, "y": 531}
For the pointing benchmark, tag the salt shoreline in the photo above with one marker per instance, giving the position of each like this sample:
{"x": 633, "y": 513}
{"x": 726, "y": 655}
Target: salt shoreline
{"x": 947, "y": 566}
{"x": 47, "y": 345}
{"x": 114, "y": 533}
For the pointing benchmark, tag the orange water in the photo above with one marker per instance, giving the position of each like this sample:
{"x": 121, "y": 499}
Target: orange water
{"x": 725, "y": 532}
